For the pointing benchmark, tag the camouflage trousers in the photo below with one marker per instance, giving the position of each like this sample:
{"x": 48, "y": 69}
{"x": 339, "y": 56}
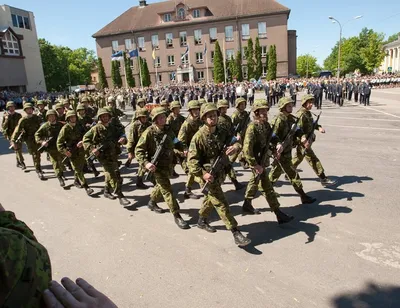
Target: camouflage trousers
{"x": 111, "y": 173}
{"x": 78, "y": 162}
{"x": 163, "y": 189}
{"x": 141, "y": 172}
{"x": 285, "y": 162}
{"x": 216, "y": 199}
{"x": 33, "y": 150}
{"x": 266, "y": 189}
{"x": 191, "y": 178}
{"x": 18, "y": 153}
{"x": 56, "y": 160}
{"x": 230, "y": 172}
{"x": 310, "y": 157}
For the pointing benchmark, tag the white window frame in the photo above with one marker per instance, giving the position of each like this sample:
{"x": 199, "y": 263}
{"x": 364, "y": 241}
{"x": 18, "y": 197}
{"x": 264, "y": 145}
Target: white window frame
{"x": 157, "y": 61}
{"x": 171, "y": 60}
{"x": 228, "y": 38}
{"x": 115, "y": 45}
{"x": 185, "y": 60}
{"x": 213, "y": 40}
{"x": 172, "y": 76}
{"x": 196, "y": 13}
{"x": 22, "y": 22}
{"x": 245, "y": 32}
{"x": 264, "y": 54}
{"x": 199, "y": 57}
{"x": 181, "y": 13}
{"x": 155, "y": 43}
{"x": 11, "y": 45}
{"x": 200, "y": 75}
{"x": 264, "y": 71}
{"x": 181, "y": 43}
{"x": 169, "y": 40}
{"x": 197, "y": 37}
{"x": 167, "y": 17}
{"x": 141, "y": 43}
{"x": 129, "y": 45}
{"x": 262, "y": 33}
{"x": 245, "y": 72}
{"x": 229, "y": 51}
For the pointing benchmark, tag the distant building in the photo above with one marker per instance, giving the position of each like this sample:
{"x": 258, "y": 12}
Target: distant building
{"x": 391, "y": 63}
{"x": 170, "y": 27}
{"x": 20, "y": 61}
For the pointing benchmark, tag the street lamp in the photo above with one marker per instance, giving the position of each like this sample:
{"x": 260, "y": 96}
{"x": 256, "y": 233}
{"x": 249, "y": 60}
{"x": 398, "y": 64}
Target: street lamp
{"x": 334, "y": 20}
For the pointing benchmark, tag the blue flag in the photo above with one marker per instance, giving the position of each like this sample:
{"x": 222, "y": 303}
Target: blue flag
{"x": 134, "y": 53}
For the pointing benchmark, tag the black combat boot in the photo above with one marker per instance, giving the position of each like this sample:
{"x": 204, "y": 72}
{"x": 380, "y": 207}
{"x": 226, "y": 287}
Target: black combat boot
{"x": 203, "y": 224}
{"x": 175, "y": 174}
{"x": 238, "y": 186}
{"x": 305, "y": 199}
{"x": 325, "y": 181}
{"x": 108, "y": 194}
{"x": 240, "y": 239}
{"x": 140, "y": 184}
{"x": 154, "y": 207}
{"x": 61, "y": 180}
{"x": 93, "y": 167}
{"x": 247, "y": 208}
{"x": 40, "y": 174}
{"x": 282, "y": 217}
{"x": 189, "y": 195}
{"x": 128, "y": 163}
{"x": 77, "y": 183}
{"x": 23, "y": 166}
{"x": 180, "y": 222}
{"x": 89, "y": 190}
{"x": 19, "y": 164}
{"x": 122, "y": 200}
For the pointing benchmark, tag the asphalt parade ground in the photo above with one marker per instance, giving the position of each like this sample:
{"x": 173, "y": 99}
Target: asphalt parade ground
{"x": 342, "y": 251}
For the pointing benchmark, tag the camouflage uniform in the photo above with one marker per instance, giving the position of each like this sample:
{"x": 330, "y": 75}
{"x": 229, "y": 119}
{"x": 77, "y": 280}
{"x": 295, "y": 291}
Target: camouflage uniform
{"x": 41, "y": 113}
{"x": 240, "y": 118}
{"x": 25, "y": 269}
{"x": 10, "y": 122}
{"x": 175, "y": 122}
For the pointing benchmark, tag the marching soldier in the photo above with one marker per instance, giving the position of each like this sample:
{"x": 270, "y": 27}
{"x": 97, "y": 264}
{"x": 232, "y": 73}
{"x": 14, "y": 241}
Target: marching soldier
{"x": 10, "y": 122}
{"x": 283, "y": 163}
{"x": 144, "y": 152}
{"x": 70, "y": 144}
{"x": 41, "y": 110}
{"x": 46, "y": 136}
{"x": 103, "y": 140}
{"x": 256, "y": 151}
{"x": 205, "y": 147}
{"x": 29, "y": 124}
{"x": 240, "y": 117}
{"x": 306, "y": 125}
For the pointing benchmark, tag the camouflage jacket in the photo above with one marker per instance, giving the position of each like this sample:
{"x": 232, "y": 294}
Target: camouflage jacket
{"x": 61, "y": 118}
{"x": 226, "y": 122}
{"x": 147, "y": 146}
{"x": 41, "y": 114}
{"x": 205, "y": 148}
{"x": 241, "y": 118}
{"x": 10, "y": 122}
{"x": 255, "y": 143}
{"x": 175, "y": 122}
{"x": 85, "y": 122}
{"x": 136, "y": 130}
{"x": 46, "y": 131}
{"x": 29, "y": 126}
{"x": 25, "y": 264}
{"x": 282, "y": 125}
{"x": 68, "y": 138}
{"x": 306, "y": 121}
{"x": 187, "y": 131}
{"x": 90, "y": 112}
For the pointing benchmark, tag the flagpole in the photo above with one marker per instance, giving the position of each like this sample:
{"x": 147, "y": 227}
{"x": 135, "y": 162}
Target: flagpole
{"x": 208, "y": 80}
{"x": 156, "y": 73}
{"x": 190, "y": 79}
{"x": 126, "y": 79}
{"x": 140, "y": 71}
{"x": 223, "y": 47}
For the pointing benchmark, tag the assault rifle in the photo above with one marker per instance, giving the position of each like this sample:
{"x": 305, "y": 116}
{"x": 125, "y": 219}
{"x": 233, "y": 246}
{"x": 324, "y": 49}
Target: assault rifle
{"x": 241, "y": 126}
{"x": 44, "y": 146}
{"x": 288, "y": 139}
{"x": 156, "y": 156}
{"x": 310, "y": 136}
{"x": 265, "y": 155}
{"x": 92, "y": 157}
{"x": 18, "y": 139}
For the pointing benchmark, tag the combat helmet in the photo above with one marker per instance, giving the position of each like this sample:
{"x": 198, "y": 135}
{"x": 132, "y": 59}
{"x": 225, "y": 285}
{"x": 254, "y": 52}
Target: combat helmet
{"x": 110, "y": 99}
{"x": 27, "y": 105}
{"x": 70, "y": 113}
{"x": 141, "y": 100}
{"x": 193, "y": 105}
{"x": 80, "y": 107}
{"x": 156, "y": 112}
{"x": 39, "y": 102}
{"x": 51, "y": 112}
{"x": 238, "y": 101}
{"x": 142, "y": 112}
{"x": 102, "y": 111}
{"x": 10, "y": 104}
{"x": 222, "y": 103}
{"x": 84, "y": 99}
{"x": 307, "y": 98}
{"x": 283, "y": 102}
{"x": 260, "y": 104}
{"x": 174, "y": 104}
{"x": 206, "y": 108}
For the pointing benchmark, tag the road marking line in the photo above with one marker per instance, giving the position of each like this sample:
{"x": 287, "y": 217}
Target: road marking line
{"x": 363, "y": 127}
{"x": 366, "y": 119}
{"x": 387, "y": 113}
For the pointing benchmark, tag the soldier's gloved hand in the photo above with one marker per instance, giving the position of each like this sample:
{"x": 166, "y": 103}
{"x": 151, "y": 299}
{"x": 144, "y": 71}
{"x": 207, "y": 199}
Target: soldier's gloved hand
{"x": 238, "y": 137}
{"x": 258, "y": 169}
{"x": 230, "y": 150}
{"x": 150, "y": 167}
{"x": 96, "y": 152}
{"x": 321, "y": 130}
{"x": 68, "y": 154}
{"x": 44, "y": 144}
{"x": 79, "y": 144}
{"x": 78, "y": 295}
{"x": 122, "y": 140}
{"x": 279, "y": 148}
{"x": 14, "y": 145}
{"x": 208, "y": 178}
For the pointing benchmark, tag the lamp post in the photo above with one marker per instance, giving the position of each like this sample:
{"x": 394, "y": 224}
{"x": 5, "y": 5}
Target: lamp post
{"x": 334, "y": 20}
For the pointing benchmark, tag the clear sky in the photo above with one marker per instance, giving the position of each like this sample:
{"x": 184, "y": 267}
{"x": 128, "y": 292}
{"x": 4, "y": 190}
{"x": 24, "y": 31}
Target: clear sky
{"x": 72, "y": 22}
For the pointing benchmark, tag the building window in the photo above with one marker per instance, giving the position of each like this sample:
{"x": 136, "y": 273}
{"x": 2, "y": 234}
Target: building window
{"x": 169, "y": 40}
{"x": 10, "y": 45}
{"x": 262, "y": 30}
{"x": 154, "y": 41}
{"x": 172, "y": 76}
{"x": 264, "y": 71}
{"x": 114, "y": 45}
{"x": 244, "y": 51}
{"x": 230, "y": 54}
{"x": 196, "y": 13}
{"x": 128, "y": 44}
{"x": 131, "y": 63}
{"x": 14, "y": 20}
{"x": 245, "y": 32}
{"x": 27, "y": 23}
{"x": 229, "y": 33}
{"x": 141, "y": 44}
{"x": 167, "y": 17}
{"x": 171, "y": 60}
{"x": 20, "y": 22}
{"x": 199, "y": 57}
{"x": 157, "y": 61}
{"x": 264, "y": 51}
{"x": 197, "y": 37}
{"x": 185, "y": 58}
{"x": 244, "y": 71}
{"x": 213, "y": 35}
{"x": 200, "y": 75}
{"x": 183, "y": 38}
{"x": 181, "y": 13}
{"x": 212, "y": 56}
{"x": 159, "y": 77}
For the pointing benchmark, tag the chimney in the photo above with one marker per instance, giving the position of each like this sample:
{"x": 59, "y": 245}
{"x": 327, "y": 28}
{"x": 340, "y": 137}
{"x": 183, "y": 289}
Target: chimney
{"x": 142, "y": 3}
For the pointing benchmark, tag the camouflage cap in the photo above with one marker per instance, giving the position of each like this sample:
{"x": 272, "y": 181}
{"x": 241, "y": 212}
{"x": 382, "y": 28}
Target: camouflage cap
{"x": 80, "y": 107}
{"x": 206, "y": 108}
{"x": 193, "y": 105}
{"x": 27, "y": 105}
{"x": 10, "y": 104}
{"x": 306, "y": 98}
{"x": 69, "y": 114}
{"x": 142, "y": 112}
{"x": 174, "y": 104}
{"x": 222, "y": 103}
{"x": 284, "y": 101}
{"x": 102, "y": 111}
{"x": 156, "y": 112}
{"x": 51, "y": 112}
{"x": 260, "y": 104}
{"x": 239, "y": 100}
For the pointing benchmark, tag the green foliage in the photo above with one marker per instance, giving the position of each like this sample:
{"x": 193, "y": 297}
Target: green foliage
{"x": 271, "y": 74}
{"x": 392, "y": 38}
{"x": 144, "y": 70}
{"x": 372, "y": 55}
{"x": 58, "y": 61}
{"x": 250, "y": 59}
{"x": 258, "y": 56}
{"x": 219, "y": 71}
{"x": 102, "y": 74}
{"x": 128, "y": 71}
{"x": 238, "y": 62}
{"x": 115, "y": 74}
{"x": 304, "y": 62}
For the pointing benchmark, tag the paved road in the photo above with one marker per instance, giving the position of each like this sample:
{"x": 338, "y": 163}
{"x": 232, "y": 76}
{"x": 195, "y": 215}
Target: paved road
{"x": 341, "y": 250}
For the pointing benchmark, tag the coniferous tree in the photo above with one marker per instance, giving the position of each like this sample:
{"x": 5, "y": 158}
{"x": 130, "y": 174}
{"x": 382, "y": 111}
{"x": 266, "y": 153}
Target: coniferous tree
{"x": 272, "y": 63}
{"x": 145, "y": 73}
{"x": 102, "y": 74}
{"x": 258, "y": 67}
{"x": 238, "y": 61}
{"x": 219, "y": 71}
{"x": 250, "y": 59}
{"x": 128, "y": 71}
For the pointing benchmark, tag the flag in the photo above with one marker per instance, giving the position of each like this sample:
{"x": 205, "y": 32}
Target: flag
{"x": 134, "y": 53}
{"x": 205, "y": 49}
{"x": 186, "y": 52}
{"x": 117, "y": 56}
{"x": 154, "y": 53}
